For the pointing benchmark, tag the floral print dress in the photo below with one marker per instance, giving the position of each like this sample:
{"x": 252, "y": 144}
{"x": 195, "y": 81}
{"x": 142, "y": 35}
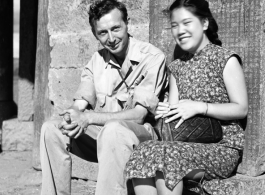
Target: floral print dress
{"x": 199, "y": 77}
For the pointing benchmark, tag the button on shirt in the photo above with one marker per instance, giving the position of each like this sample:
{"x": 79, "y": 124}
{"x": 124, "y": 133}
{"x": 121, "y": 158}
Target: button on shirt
{"x": 107, "y": 86}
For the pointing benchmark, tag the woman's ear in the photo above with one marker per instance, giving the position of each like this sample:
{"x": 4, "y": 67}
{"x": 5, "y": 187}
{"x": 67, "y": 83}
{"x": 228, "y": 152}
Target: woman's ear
{"x": 205, "y": 23}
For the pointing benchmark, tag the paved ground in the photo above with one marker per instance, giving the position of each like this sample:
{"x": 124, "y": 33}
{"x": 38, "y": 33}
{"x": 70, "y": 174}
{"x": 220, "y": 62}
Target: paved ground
{"x": 17, "y": 177}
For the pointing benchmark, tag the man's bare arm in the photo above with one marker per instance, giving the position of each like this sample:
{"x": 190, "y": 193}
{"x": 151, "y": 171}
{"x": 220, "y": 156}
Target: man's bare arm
{"x": 136, "y": 115}
{"x": 83, "y": 119}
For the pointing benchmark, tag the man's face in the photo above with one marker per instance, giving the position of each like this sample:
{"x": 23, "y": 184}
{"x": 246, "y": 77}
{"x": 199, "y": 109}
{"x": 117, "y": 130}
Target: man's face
{"x": 111, "y": 31}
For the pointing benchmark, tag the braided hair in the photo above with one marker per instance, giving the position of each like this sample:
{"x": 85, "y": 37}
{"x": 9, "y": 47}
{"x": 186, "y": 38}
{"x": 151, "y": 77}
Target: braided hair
{"x": 200, "y": 8}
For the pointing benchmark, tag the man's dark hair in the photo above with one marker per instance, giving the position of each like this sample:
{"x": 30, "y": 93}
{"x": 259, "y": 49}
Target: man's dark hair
{"x": 101, "y": 7}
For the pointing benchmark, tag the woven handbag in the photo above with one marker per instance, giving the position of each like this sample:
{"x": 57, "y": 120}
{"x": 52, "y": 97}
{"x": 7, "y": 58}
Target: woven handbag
{"x": 199, "y": 129}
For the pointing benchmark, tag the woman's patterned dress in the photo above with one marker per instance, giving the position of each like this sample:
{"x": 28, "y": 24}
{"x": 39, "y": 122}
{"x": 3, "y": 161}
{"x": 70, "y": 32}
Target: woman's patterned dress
{"x": 199, "y": 77}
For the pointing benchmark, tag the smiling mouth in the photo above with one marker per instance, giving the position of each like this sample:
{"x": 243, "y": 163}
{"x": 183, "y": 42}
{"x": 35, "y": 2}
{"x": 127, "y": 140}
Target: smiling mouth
{"x": 183, "y": 38}
{"x": 114, "y": 46}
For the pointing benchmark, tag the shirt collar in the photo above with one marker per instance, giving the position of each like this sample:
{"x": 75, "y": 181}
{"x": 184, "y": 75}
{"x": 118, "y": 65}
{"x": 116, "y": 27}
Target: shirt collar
{"x": 134, "y": 54}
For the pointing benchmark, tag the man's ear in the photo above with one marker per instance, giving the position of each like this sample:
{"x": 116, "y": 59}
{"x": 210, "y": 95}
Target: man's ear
{"x": 128, "y": 20}
{"x": 205, "y": 23}
{"x": 128, "y": 23}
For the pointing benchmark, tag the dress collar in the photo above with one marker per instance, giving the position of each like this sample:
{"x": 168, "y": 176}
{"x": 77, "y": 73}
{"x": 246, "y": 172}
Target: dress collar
{"x": 204, "y": 49}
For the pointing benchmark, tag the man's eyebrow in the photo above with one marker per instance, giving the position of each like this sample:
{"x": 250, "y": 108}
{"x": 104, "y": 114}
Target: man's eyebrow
{"x": 100, "y": 31}
{"x": 116, "y": 26}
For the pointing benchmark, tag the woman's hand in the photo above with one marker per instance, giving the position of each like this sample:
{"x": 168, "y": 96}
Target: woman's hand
{"x": 185, "y": 109}
{"x": 162, "y": 108}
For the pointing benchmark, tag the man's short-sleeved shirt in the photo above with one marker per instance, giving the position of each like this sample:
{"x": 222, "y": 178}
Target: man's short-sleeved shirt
{"x": 107, "y": 86}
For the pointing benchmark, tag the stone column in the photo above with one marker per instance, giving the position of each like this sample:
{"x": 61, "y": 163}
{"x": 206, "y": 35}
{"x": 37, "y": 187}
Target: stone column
{"x": 7, "y": 105}
{"x": 27, "y": 53}
{"x": 242, "y": 30}
{"x": 18, "y": 132}
{"x": 159, "y": 32}
{"x": 42, "y": 105}
{"x": 241, "y": 25}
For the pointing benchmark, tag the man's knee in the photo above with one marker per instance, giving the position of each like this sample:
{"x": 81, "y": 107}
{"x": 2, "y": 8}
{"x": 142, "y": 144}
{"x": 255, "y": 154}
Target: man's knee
{"x": 111, "y": 129}
{"x": 114, "y": 124}
{"x": 116, "y": 132}
{"x": 49, "y": 130}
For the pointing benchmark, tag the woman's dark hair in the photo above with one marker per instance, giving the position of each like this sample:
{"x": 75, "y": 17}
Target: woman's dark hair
{"x": 200, "y": 8}
{"x": 101, "y": 7}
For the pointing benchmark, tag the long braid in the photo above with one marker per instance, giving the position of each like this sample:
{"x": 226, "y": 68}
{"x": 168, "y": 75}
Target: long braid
{"x": 212, "y": 32}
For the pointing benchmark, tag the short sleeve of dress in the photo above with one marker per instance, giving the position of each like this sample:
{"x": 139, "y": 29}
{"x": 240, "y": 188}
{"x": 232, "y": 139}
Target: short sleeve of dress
{"x": 226, "y": 55}
{"x": 173, "y": 68}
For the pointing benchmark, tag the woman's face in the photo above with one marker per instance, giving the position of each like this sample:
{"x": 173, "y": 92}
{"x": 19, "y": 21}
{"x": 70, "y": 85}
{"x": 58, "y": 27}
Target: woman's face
{"x": 188, "y": 30}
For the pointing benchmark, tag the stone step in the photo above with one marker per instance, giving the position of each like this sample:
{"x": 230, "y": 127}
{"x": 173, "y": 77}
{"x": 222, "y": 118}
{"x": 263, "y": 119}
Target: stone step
{"x": 236, "y": 185}
{"x": 16, "y": 135}
{"x": 83, "y": 169}
{"x": 239, "y": 184}
{"x": 245, "y": 185}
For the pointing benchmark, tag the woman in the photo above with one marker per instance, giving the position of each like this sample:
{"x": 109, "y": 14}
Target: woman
{"x": 207, "y": 80}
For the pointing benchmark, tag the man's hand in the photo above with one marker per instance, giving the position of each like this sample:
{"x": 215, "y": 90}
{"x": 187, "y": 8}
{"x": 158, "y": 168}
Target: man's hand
{"x": 74, "y": 124}
{"x": 162, "y": 108}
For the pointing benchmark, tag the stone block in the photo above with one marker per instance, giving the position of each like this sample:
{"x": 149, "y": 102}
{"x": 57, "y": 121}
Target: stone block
{"x": 17, "y": 136}
{"x": 72, "y": 50}
{"x": 237, "y": 185}
{"x": 68, "y": 16}
{"x": 140, "y": 31}
{"x": 245, "y": 185}
{"x": 72, "y": 16}
{"x": 84, "y": 169}
{"x": 25, "y": 100}
{"x": 63, "y": 84}
{"x": 138, "y": 11}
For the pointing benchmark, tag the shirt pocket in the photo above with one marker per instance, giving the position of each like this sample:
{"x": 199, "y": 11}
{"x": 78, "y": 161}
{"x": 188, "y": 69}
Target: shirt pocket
{"x": 107, "y": 103}
{"x": 100, "y": 103}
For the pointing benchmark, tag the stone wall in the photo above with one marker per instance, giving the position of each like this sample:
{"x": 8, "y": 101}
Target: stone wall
{"x": 241, "y": 26}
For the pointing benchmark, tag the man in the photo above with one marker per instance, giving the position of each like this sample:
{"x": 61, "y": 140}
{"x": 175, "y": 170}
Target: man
{"x": 120, "y": 84}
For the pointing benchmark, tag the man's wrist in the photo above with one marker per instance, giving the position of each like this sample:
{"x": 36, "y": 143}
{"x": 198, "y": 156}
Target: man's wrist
{"x": 88, "y": 117}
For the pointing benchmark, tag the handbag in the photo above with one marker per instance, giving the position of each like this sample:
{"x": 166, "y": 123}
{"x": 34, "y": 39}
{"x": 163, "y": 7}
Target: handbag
{"x": 198, "y": 129}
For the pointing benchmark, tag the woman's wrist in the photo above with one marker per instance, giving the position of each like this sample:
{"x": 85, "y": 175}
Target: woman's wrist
{"x": 203, "y": 109}
{"x": 206, "y": 110}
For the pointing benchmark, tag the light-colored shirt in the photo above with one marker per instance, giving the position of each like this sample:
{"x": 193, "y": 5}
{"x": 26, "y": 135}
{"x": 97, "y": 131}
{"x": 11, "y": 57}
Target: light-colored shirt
{"x": 143, "y": 71}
